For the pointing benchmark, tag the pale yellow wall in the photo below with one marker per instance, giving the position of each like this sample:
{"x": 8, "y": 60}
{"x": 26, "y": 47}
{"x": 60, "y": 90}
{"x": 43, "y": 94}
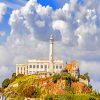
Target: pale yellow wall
{"x": 38, "y": 62}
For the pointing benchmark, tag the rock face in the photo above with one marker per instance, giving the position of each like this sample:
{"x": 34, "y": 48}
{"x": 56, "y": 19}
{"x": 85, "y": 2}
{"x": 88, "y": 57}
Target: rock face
{"x": 50, "y": 87}
{"x": 46, "y": 86}
{"x": 81, "y": 88}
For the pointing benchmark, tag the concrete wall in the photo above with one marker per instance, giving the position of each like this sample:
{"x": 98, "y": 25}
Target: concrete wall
{"x": 84, "y": 81}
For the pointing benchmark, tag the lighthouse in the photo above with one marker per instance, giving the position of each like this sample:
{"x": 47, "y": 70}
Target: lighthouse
{"x": 49, "y": 66}
{"x": 51, "y": 54}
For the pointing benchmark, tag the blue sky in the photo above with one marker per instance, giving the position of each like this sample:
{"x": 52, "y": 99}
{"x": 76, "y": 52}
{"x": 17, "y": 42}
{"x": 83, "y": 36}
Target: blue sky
{"x": 25, "y": 26}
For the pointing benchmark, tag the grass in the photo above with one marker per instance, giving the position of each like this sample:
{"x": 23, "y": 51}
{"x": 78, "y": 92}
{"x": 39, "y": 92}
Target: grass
{"x": 22, "y": 81}
{"x": 17, "y": 98}
{"x": 71, "y": 97}
{"x": 24, "y": 78}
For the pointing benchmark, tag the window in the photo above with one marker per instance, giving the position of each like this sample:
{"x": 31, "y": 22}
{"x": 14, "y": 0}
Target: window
{"x": 30, "y": 66}
{"x": 60, "y": 67}
{"x": 21, "y": 70}
{"x": 45, "y": 66}
{"x": 56, "y": 67}
{"x": 41, "y": 66}
{"x": 24, "y": 70}
{"x": 33, "y": 66}
{"x": 18, "y": 70}
{"x": 30, "y": 72}
{"x": 34, "y": 72}
{"x": 37, "y": 66}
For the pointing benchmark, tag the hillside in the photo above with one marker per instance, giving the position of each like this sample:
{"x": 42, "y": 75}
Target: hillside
{"x": 31, "y": 86}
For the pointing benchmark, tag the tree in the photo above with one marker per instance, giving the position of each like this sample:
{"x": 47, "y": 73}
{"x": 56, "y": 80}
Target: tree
{"x": 5, "y": 83}
{"x": 55, "y": 78}
{"x": 20, "y": 75}
{"x": 65, "y": 75}
{"x": 74, "y": 79}
{"x": 13, "y": 77}
{"x": 87, "y": 76}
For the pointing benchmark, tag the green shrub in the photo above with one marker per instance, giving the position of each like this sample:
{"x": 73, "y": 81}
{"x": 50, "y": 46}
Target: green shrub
{"x": 70, "y": 96}
{"x": 85, "y": 76}
{"x": 65, "y": 75}
{"x": 55, "y": 78}
{"x": 31, "y": 91}
{"x": 12, "y": 79}
{"x": 92, "y": 98}
{"x": 5, "y": 83}
{"x": 14, "y": 75}
{"x": 49, "y": 97}
{"x": 20, "y": 75}
{"x": 1, "y": 90}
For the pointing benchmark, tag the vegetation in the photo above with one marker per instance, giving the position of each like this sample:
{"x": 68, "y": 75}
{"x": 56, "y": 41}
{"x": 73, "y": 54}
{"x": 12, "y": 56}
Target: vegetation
{"x": 96, "y": 94}
{"x": 31, "y": 91}
{"x": 13, "y": 77}
{"x": 30, "y": 86}
{"x": 1, "y": 90}
{"x": 85, "y": 76}
{"x": 5, "y": 83}
{"x": 70, "y": 97}
{"x": 56, "y": 77}
{"x": 65, "y": 75}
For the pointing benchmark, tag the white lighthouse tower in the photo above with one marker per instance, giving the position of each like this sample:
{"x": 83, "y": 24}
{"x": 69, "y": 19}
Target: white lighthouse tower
{"x": 51, "y": 54}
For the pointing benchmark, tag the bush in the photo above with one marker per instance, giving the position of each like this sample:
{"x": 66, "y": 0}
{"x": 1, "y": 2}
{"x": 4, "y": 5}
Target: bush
{"x": 31, "y": 91}
{"x": 13, "y": 77}
{"x": 70, "y": 96}
{"x": 74, "y": 79}
{"x": 49, "y": 97}
{"x": 5, "y": 83}
{"x": 55, "y": 78}
{"x": 92, "y": 98}
{"x": 65, "y": 75}
{"x": 20, "y": 75}
{"x": 85, "y": 76}
{"x": 1, "y": 90}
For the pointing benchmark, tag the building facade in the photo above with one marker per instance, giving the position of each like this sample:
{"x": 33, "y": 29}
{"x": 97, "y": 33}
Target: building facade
{"x": 2, "y": 97}
{"x": 36, "y": 66}
{"x": 73, "y": 68}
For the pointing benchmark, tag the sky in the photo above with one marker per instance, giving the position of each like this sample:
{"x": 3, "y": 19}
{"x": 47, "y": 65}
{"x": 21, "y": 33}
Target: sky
{"x": 26, "y": 25}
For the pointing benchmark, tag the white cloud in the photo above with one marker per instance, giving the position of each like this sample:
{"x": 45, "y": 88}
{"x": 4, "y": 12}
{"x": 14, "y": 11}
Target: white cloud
{"x": 3, "y": 70}
{"x": 87, "y": 33}
{"x": 3, "y": 9}
{"x": 92, "y": 67}
{"x": 96, "y": 85}
{"x": 2, "y": 34}
{"x": 15, "y": 4}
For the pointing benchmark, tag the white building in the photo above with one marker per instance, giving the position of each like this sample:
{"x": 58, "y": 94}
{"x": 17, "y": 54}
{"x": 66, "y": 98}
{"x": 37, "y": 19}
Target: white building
{"x": 35, "y": 66}
{"x": 85, "y": 81}
{"x": 2, "y": 97}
